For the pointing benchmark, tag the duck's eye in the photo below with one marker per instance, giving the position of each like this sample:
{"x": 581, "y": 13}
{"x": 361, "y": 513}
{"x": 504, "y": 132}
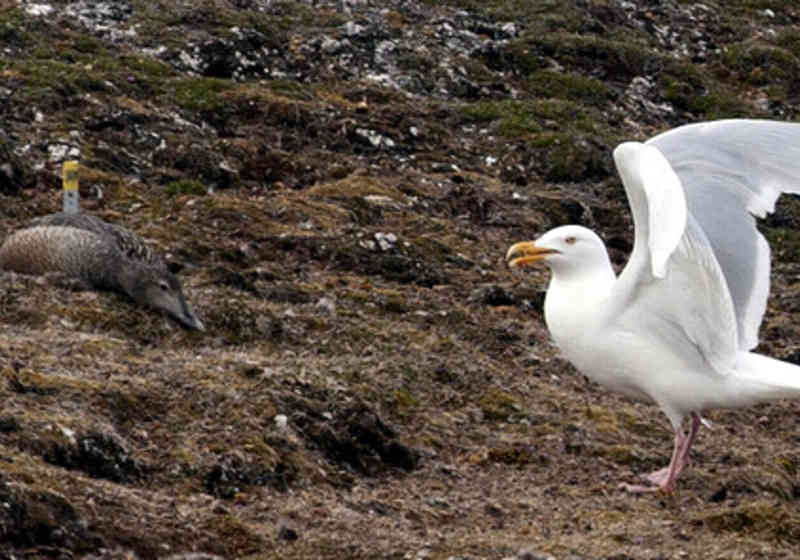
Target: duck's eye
{"x": 570, "y": 240}
{"x": 164, "y": 286}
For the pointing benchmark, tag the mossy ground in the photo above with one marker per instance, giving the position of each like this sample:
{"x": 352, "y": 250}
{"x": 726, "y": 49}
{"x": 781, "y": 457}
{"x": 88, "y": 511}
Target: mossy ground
{"x": 374, "y": 396}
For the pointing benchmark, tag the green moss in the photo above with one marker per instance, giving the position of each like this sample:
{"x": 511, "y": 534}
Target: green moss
{"x": 47, "y": 76}
{"x": 499, "y": 405}
{"x": 86, "y": 44}
{"x": 688, "y": 89}
{"x": 292, "y": 14}
{"x": 574, "y": 144}
{"x": 485, "y": 111}
{"x": 619, "y": 59}
{"x": 789, "y": 39}
{"x": 516, "y": 118}
{"x": 679, "y": 92}
{"x": 568, "y": 85}
{"x": 289, "y": 89}
{"x": 395, "y": 303}
{"x": 145, "y": 67}
{"x": 122, "y": 70}
{"x": 12, "y": 31}
{"x": 720, "y": 104}
{"x": 785, "y": 243}
{"x": 69, "y": 67}
{"x": 186, "y": 186}
{"x": 404, "y": 400}
{"x": 528, "y": 119}
{"x": 570, "y": 113}
{"x": 525, "y": 59}
{"x": 574, "y": 159}
{"x": 201, "y": 94}
{"x": 761, "y": 64}
{"x": 157, "y": 17}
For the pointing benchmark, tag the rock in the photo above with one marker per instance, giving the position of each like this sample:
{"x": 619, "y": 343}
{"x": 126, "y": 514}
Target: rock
{"x": 385, "y": 241}
{"x": 37, "y": 518}
{"x": 281, "y": 421}
{"x": 326, "y": 305}
{"x": 531, "y": 554}
{"x": 719, "y": 495}
{"x": 492, "y": 294}
{"x": 286, "y": 533}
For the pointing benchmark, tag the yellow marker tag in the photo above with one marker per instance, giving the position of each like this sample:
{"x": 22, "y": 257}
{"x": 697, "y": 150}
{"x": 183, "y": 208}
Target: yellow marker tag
{"x": 70, "y": 176}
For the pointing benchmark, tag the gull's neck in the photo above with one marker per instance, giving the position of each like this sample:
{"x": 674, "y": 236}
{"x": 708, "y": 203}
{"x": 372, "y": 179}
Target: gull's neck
{"x": 575, "y": 298}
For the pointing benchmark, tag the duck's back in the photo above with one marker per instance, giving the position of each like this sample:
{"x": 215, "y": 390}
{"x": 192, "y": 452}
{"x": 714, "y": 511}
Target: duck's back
{"x": 74, "y": 252}
{"x": 127, "y": 242}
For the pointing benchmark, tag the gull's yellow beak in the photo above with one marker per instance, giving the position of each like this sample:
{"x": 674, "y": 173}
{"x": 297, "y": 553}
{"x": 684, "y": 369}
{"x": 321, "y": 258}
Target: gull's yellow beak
{"x": 526, "y": 252}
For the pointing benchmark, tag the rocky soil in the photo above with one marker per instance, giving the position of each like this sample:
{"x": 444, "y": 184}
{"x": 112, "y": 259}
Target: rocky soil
{"x": 336, "y": 183}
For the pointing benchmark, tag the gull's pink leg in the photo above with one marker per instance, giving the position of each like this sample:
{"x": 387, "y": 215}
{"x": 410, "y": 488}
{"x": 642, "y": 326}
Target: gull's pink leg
{"x": 684, "y": 458}
{"x": 664, "y": 479}
{"x": 659, "y": 477}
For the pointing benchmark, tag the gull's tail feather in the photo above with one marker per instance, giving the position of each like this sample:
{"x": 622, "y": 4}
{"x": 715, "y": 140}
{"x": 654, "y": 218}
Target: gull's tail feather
{"x": 763, "y": 378}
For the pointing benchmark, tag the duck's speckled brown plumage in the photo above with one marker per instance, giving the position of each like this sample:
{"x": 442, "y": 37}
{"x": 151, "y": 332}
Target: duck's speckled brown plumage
{"x": 98, "y": 255}
{"x": 128, "y": 243}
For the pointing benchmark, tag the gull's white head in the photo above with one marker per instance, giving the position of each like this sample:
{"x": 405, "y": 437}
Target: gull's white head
{"x": 566, "y": 250}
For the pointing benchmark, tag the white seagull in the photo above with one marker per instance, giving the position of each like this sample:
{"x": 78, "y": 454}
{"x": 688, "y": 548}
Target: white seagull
{"x": 677, "y": 326}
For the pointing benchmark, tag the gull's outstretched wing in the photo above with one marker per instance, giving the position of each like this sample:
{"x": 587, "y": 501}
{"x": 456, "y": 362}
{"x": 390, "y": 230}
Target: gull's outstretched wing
{"x": 732, "y": 170}
{"x": 672, "y": 283}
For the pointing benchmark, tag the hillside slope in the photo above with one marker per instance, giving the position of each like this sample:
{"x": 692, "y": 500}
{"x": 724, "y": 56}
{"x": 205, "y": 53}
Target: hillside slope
{"x": 337, "y": 182}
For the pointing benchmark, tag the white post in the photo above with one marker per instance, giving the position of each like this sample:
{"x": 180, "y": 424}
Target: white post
{"x": 69, "y": 179}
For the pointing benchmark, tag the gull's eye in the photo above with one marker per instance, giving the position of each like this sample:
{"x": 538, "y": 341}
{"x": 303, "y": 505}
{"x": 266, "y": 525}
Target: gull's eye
{"x": 570, "y": 240}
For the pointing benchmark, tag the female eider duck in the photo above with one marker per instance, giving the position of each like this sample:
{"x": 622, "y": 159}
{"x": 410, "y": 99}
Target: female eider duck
{"x": 97, "y": 255}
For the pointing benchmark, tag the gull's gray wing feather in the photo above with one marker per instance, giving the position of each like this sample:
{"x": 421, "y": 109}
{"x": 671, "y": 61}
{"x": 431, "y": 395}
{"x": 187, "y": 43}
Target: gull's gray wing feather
{"x": 672, "y": 284}
{"x": 732, "y": 170}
